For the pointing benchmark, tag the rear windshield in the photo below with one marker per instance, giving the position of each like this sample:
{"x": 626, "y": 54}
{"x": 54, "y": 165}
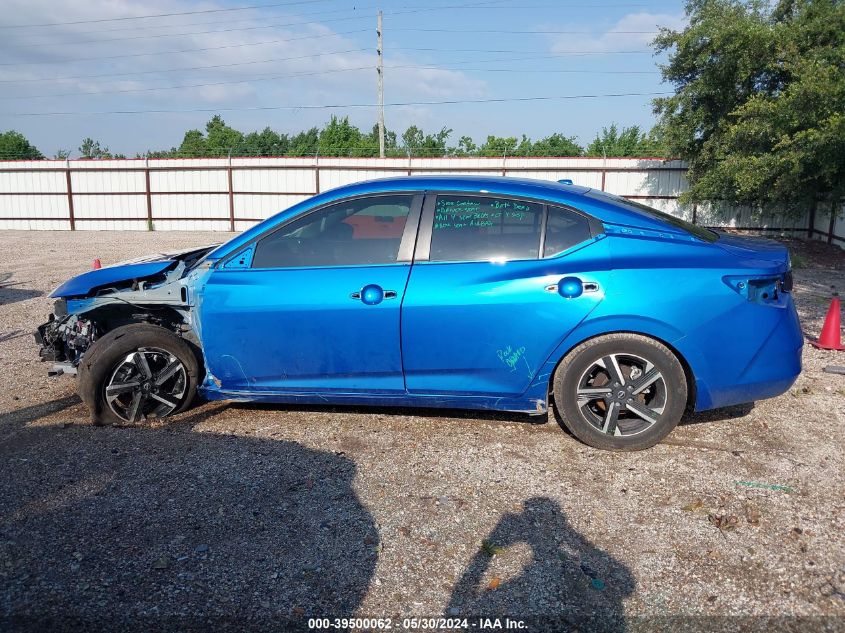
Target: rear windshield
{"x": 698, "y": 231}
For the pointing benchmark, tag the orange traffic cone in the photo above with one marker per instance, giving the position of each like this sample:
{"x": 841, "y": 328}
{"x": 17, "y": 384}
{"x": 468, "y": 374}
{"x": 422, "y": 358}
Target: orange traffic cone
{"x": 831, "y": 335}
{"x": 97, "y": 264}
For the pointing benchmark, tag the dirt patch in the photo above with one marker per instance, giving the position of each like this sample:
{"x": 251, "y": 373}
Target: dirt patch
{"x": 233, "y": 515}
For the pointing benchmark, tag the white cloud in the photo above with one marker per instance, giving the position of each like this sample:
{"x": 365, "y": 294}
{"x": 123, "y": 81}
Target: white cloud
{"x": 297, "y": 50}
{"x": 622, "y": 36}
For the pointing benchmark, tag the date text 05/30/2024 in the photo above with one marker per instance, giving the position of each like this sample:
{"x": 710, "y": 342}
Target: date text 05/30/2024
{"x": 418, "y": 624}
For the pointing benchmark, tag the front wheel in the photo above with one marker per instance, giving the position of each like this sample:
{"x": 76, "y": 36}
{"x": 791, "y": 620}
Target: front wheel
{"x": 137, "y": 372}
{"x": 620, "y": 392}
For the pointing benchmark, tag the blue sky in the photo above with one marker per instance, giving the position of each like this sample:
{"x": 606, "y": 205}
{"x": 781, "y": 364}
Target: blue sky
{"x": 322, "y": 53}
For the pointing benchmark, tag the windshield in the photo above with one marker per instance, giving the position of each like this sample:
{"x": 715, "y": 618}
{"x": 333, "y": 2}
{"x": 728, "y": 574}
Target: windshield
{"x": 698, "y": 231}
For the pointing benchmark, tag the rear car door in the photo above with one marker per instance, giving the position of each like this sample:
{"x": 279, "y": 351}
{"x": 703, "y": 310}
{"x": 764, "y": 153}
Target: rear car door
{"x": 483, "y": 310}
{"x": 314, "y": 305}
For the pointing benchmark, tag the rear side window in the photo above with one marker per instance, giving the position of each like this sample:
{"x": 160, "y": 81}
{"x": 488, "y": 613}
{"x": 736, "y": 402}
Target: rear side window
{"x": 350, "y": 233}
{"x": 481, "y": 228}
{"x": 564, "y": 229}
{"x": 698, "y": 231}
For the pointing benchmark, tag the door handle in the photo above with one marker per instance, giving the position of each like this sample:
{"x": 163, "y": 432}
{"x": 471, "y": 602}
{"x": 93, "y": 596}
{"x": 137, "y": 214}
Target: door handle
{"x": 572, "y": 287}
{"x": 372, "y": 294}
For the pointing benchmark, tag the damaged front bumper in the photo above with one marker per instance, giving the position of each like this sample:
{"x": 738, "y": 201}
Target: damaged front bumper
{"x": 63, "y": 339}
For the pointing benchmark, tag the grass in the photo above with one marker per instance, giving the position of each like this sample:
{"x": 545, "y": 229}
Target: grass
{"x": 798, "y": 261}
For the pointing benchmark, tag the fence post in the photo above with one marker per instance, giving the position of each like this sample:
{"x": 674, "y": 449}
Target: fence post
{"x": 317, "y": 170}
{"x": 504, "y": 159}
{"x": 603, "y": 168}
{"x": 231, "y": 196}
{"x": 832, "y": 224}
{"x": 149, "y": 194}
{"x": 71, "y": 217}
{"x": 812, "y": 225}
{"x": 409, "y": 160}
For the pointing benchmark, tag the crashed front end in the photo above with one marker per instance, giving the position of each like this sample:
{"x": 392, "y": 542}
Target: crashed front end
{"x": 64, "y": 339}
{"x": 156, "y": 290}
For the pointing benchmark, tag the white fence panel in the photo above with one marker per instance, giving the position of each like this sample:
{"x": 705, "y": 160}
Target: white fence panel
{"x": 233, "y": 194}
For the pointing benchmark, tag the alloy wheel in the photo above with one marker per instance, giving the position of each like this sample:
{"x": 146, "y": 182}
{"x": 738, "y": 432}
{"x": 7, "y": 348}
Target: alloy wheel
{"x": 622, "y": 394}
{"x": 148, "y": 383}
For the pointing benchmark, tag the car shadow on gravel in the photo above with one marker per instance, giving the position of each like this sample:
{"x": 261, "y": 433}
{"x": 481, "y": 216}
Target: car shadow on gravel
{"x": 568, "y": 584}
{"x": 734, "y": 412}
{"x": 9, "y": 293}
{"x": 170, "y": 528}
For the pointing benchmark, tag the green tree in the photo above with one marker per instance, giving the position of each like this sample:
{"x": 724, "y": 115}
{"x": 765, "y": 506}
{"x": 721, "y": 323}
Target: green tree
{"x": 222, "y": 140}
{"x": 630, "y": 141}
{"x": 305, "y": 143}
{"x": 193, "y": 144}
{"x": 15, "y": 146}
{"x": 391, "y": 147}
{"x": 418, "y": 143}
{"x": 466, "y": 147}
{"x": 92, "y": 149}
{"x": 266, "y": 143}
{"x": 498, "y": 146}
{"x": 759, "y": 104}
{"x": 340, "y": 138}
{"x": 557, "y": 145}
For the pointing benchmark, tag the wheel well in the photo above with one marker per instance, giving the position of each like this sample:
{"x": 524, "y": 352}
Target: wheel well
{"x": 110, "y": 317}
{"x": 690, "y": 377}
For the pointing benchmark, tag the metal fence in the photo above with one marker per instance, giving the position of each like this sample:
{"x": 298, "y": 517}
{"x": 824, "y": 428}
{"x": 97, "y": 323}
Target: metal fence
{"x": 232, "y": 194}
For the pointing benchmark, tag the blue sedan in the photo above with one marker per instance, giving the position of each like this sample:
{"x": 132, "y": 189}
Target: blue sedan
{"x": 461, "y": 292}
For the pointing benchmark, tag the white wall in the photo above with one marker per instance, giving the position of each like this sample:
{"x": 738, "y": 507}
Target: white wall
{"x": 194, "y": 194}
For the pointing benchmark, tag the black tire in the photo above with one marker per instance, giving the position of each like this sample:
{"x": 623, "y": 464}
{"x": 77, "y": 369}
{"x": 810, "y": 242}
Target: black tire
{"x": 638, "y": 359}
{"x": 106, "y": 356}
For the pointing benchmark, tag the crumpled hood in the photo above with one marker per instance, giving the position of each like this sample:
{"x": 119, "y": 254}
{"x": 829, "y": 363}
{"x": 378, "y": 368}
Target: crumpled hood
{"x": 139, "y": 268}
{"x": 83, "y": 284}
{"x": 172, "y": 255}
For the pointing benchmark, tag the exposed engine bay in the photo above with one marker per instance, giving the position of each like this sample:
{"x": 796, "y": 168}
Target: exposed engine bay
{"x": 85, "y": 312}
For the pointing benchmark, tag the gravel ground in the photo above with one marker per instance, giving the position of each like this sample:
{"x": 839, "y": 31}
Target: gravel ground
{"x": 236, "y": 516}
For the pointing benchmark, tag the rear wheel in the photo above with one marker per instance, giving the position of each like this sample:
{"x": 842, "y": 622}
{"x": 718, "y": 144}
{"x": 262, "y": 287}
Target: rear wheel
{"x": 620, "y": 391}
{"x": 137, "y": 372}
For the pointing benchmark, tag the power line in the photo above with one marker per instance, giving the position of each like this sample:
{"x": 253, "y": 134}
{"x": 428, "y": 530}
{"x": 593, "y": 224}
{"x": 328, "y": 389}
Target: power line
{"x": 229, "y": 30}
{"x": 272, "y": 77}
{"x": 510, "y": 31}
{"x": 498, "y": 50}
{"x": 278, "y": 59}
{"x": 230, "y": 21}
{"x": 359, "y": 10}
{"x": 162, "y": 15}
{"x": 533, "y": 70}
{"x": 346, "y": 105}
{"x": 225, "y": 10}
{"x": 486, "y": 5}
{"x": 187, "y": 50}
{"x": 201, "y": 85}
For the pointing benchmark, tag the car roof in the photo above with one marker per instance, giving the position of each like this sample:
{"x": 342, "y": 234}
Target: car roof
{"x": 465, "y": 183}
{"x": 544, "y": 190}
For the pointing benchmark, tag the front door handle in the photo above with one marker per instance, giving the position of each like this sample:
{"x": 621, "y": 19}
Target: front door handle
{"x": 372, "y": 294}
{"x": 572, "y": 287}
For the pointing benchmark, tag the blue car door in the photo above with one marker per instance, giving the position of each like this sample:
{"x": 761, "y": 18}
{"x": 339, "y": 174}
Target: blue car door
{"x": 314, "y": 305}
{"x": 497, "y": 283}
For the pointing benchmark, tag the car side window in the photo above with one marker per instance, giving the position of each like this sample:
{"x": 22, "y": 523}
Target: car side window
{"x": 564, "y": 229}
{"x": 364, "y": 231}
{"x": 485, "y": 228}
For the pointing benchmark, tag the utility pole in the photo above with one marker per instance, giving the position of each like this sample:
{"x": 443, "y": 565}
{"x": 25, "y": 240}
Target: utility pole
{"x": 380, "y": 88}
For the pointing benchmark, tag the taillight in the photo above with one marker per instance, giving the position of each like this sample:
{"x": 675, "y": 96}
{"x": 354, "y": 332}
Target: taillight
{"x": 786, "y": 282}
{"x": 765, "y": 290}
